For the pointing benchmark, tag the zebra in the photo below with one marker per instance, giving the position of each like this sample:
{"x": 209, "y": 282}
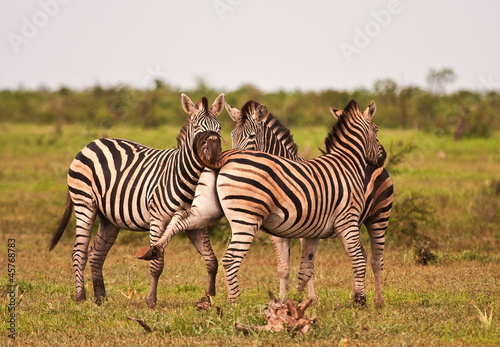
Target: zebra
{"x": 374, "y": 199}
{"x": 131, "y": 186}
{"x": 252, "y": 132}
{"x": 379, "y": 196}
{"x": 270, "y": 136}
{"x": 206, "y": 210}
{"x": 312, "y": 199}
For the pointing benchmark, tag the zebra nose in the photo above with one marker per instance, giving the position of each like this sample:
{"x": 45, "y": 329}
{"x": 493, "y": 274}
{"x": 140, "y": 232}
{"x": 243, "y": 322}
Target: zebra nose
{"x": 382, "y": 156}
{"x": 213, "y": 148}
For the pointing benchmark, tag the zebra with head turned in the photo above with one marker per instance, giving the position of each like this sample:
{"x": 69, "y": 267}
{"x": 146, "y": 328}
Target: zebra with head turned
{"x": 251, "y": 134}
{"x": 128, "y": 185}
{"x": 379, "y": 195}
{"x": 313, "y": 199}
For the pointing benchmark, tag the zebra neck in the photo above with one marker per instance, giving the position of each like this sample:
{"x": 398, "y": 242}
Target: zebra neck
{"x": 187, "y": 168}
{"x": 283, "y": 147}
{"x": 351, "y": 157}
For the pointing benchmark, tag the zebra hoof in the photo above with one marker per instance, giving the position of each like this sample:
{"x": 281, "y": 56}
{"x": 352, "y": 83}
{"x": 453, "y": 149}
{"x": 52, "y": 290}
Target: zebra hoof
{"x": 80, "y": 297}
{"x": 146, "y": 253}
{"x": 360, "y": 300}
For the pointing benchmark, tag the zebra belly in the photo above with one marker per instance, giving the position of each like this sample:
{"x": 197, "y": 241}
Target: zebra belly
{"x": 274, "y": 225}
{"x": 121, "y": 216}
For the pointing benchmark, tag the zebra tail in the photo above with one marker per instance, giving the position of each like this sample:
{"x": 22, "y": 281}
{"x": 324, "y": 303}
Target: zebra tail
{"x": 61, "y": 227}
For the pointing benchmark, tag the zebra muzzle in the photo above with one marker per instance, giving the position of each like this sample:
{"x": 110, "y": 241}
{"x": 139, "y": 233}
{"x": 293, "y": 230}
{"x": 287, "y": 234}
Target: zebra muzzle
{"x": 381, "y": 156}
{"x": 208, "y": 147}
{"x": 213, "y": 148}
{"x": 148, "y": 253}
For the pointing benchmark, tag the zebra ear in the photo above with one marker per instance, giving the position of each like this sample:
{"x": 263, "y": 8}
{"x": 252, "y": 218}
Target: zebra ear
{"x": 234, "y": 113}
{"x": 370, "y": 111}
{"x": 218, "y": 105}
{"x": 188, "y": 106}
{"x": 336, "y": 113}
{"x": 260, "y": 113}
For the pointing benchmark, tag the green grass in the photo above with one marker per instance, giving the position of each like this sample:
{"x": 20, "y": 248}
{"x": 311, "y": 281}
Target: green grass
{"x": 445, "y": 303}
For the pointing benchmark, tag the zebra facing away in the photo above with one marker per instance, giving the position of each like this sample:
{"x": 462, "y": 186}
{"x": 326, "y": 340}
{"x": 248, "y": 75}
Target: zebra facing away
{"x": 312, "y": 199}
{"x": 252, "y": 132}
{"x": 131, "y": 186}
{"x": 190, "y": 219}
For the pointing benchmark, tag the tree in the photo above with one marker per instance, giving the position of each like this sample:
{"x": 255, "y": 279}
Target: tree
{"x": 438, "y": 79}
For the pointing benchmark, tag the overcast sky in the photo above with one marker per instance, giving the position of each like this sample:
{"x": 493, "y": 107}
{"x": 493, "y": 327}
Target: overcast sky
{"x": 306, "y": 45}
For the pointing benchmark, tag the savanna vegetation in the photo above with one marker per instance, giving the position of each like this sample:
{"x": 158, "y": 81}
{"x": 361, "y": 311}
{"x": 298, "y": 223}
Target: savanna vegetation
{"x": 442, "y": 266}
{"x": 462, "y": 113}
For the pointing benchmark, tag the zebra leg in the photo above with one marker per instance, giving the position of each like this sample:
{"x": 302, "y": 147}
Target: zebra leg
{"x": 311, "y": 292}
{"x": 241, "y": 239}
{"x": 85, "y": 217}
{"x": 377, "y": 241}
{"x": 306, "y": 271}
{"x": 353, "y": 289}
{"x": 155, "y": 270}
{"x": 350, "y": 238}
{"x": 201, "y": 242}
{"x": 193, "y": 218}
{"x": 106, "y": 237}
{"x": 156, "y": 265}
{"x": 282, "y": 248}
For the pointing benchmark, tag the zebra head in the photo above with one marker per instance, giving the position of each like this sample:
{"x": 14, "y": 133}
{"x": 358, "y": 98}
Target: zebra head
{"x": 248, "y": 132}
{"x": 203, "y": 133}
{"x": 258, "y": 129}
{"x": 375, "y": 153}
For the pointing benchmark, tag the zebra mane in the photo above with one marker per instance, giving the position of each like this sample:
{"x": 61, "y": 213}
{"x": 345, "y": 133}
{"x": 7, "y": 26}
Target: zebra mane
{"x": 281, "y": 132}
{"x": 181, "y": 138}
{"x": 203, "y": 103}
{"x": 351, "y": 111}
{"x": 248, "y": 109}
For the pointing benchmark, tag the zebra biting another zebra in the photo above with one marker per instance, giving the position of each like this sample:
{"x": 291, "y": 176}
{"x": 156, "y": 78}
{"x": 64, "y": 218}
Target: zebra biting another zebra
{"x": 128, "y": 185}
{"x": 320, "y": 198}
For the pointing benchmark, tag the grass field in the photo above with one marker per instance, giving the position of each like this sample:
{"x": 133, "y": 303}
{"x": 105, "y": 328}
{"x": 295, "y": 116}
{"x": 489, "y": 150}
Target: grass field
{"x": 447, "y": 302}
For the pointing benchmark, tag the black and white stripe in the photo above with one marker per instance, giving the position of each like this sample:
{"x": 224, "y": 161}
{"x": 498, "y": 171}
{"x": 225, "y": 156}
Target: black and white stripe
{"x": 128, "y": 185}
{"x": 314, "y": 199}
{"x": 259, "y": 130}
